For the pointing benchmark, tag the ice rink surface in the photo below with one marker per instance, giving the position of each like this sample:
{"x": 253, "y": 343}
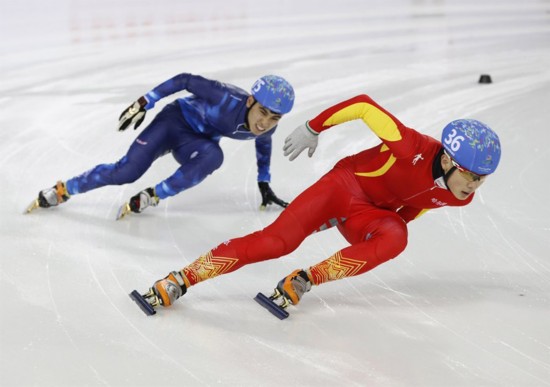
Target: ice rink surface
{"x": 467, "y": 303}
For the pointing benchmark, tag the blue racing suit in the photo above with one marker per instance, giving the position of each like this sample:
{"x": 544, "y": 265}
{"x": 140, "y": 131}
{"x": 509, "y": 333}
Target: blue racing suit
{"x": 190, "y": 128}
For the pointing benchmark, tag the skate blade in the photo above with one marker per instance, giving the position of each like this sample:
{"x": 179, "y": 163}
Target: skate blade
{"x": 123, "y": 211}
{"x": 272, "y": 307}
{"x": 144, "y": 305}
{"x": 31, "y": 207}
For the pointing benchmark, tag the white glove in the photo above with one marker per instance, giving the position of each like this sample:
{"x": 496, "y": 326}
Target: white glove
{"x": 301, "y": 138}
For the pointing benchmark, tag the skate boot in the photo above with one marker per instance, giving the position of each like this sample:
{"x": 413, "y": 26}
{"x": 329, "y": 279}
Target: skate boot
{"x": 293, "y": 287}
{"x": 169, "y": 289}
{"x": 51, "y": 197}
{"x": 289, "y": 290}
{"x": 143, "y": 199}
{"x": 164, "y": 292}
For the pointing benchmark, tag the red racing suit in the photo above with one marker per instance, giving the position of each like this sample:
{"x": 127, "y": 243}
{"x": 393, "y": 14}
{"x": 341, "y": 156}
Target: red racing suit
{"x": 370, "y": 197}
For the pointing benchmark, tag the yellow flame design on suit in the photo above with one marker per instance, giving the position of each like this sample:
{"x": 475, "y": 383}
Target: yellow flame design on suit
{"x": 383, "y": 169}
{"x": 378, "y": 121}
{"x": 336, "y": 267}
{"x": 207, "y": 266}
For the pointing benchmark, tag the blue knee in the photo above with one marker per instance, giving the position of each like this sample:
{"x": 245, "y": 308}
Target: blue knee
{"x": 198, "y": 166}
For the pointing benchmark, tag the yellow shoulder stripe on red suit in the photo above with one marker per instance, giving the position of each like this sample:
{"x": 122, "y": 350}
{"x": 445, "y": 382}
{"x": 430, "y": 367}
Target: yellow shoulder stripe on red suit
{"x": 378, "y": 121}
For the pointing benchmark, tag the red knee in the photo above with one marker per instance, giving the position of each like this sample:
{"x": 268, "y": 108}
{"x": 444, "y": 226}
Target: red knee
{"x": 387, "y": 235}
{"x": 392, "y": 237}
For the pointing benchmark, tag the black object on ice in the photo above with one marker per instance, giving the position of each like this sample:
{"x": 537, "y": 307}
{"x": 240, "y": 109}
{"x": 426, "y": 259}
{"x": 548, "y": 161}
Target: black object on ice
{"x": 485, "y": 78}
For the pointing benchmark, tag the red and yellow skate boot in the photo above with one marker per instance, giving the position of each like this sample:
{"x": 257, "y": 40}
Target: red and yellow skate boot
{"x": 170, "y": 288}
{"x": 293, "y": 286}
{"x": 51, "y": 197}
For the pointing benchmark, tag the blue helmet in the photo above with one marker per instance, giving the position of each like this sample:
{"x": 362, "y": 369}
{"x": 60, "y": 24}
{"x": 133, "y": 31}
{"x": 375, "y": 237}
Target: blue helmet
{"x": 275, "y": 93}
{"x": 473, "y": 145}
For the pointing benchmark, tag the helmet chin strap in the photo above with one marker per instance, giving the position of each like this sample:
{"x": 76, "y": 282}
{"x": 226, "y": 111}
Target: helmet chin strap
{"x": 437, "y": 170}
{"x": 448, "y": 175}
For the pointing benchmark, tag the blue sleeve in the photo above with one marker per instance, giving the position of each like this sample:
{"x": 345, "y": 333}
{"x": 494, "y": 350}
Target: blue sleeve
{"x": 263, "y": 156}
{"x": 203, "y": 88}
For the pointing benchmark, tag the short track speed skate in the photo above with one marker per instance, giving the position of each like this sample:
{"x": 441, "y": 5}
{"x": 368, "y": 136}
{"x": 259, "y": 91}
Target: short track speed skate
{"x": 164, "y": 292}
{"x": 147, "y": 302}
{"x": 276, "y": 309}
{"x": 138, "y": 203}
{"x": 123, "y": 211}
{"x": 31, "y": 207}
{"x": 49, "y": 197}
{"x": 289, "y": 290}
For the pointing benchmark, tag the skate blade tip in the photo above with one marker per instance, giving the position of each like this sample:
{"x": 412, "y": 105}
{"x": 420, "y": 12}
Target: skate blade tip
{"x": 272, "y": 307}
{"x": 31, "y": 207}
{"x": 142, "y": 303}
{"x": 123, "y": 211}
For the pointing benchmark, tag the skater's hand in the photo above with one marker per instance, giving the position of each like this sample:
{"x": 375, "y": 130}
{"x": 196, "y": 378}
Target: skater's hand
{"x": 268, "y": 197}
{"x": 301, "y": 138}
{"x": 134, "y": 114}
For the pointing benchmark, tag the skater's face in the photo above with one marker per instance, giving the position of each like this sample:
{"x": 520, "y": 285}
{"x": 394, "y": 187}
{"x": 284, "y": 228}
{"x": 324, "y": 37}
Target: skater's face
{"x": 461, "y": 183}
{"x": 260, "y": 120}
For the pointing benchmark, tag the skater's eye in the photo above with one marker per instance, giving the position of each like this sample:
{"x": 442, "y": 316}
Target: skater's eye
{"x": 269, "y": 114}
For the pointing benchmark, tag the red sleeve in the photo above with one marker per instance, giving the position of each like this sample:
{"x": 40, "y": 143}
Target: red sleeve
{"x": 399, "y": 138}
{"x": 359, "y": 107}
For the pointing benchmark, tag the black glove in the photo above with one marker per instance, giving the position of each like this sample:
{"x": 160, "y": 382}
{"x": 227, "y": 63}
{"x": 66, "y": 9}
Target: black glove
{"x": 268, "y": 197}
{"x": 135, "y": 113}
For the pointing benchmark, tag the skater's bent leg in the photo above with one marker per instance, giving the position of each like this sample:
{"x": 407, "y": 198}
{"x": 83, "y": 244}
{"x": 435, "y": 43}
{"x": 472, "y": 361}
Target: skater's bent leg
{"x": 153, "y": 142}
{"x": 256, "y": 247}
{"x": 198, "y": 159}
{"x": 323, "y": 200}
{"x": 382, "y": 239}
{"x": 122, "y": 172}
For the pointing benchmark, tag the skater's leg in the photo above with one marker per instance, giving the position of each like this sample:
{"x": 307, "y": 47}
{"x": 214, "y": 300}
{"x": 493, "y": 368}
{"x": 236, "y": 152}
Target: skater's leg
{"x": 326, "y": 199}
{"x": 198, "y": 157}
{"x": 376, "y": 236}
{"x": 153, "y": 142}
{"x": 329, "y": 198}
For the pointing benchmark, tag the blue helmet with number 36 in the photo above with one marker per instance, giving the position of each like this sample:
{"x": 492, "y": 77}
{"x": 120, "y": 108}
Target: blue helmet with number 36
{"x": 472, "y": 145}
{"x": 274, "y": 93}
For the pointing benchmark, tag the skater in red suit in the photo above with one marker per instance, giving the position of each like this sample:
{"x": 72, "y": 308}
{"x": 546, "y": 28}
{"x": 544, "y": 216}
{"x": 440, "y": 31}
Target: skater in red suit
{"x": 370, "y": 197}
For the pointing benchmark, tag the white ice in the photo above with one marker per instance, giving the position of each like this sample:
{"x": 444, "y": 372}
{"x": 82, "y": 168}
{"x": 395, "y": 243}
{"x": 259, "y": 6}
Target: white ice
{"x": 467, "y": 303}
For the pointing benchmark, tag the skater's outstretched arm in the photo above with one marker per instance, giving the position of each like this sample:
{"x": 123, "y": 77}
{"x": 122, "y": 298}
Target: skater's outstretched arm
{"x": 207, "y": 89}
{"x": 399, "y": 138}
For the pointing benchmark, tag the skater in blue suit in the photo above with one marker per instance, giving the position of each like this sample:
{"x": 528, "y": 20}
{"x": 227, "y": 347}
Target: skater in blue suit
{"x": 190, "y": 128}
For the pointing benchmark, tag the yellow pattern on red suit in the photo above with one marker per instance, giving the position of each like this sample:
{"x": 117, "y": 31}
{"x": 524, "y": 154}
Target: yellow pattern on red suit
{"x": 384, "y": 168}
{"x": 334, "y": 268}
{"x": 207, "y": 266}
